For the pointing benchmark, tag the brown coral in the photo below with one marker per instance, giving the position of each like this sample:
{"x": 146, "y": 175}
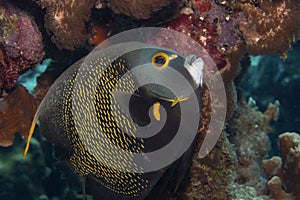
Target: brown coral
{"x": 140, "y": 9}
{"x": 286, "y": 171}
{"x": 66, "y": 21}
{"x": 290, "y": 150}
{"x": 276, "y": 190}
{"x": 16, "y": 114}
{"x": 272, "y": 167}
{"x": 271, "y": 114}
{"x": 271, "y": 27}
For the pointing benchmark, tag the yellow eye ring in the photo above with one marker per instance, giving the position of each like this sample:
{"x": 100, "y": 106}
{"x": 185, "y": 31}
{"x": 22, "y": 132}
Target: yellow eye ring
{"x": 160, "y": 60}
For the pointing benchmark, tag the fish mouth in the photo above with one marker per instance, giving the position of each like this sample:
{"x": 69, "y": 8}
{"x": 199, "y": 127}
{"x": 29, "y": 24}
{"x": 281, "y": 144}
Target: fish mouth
{"x": 161, "y": 93}
{"x": 175, "y": 101}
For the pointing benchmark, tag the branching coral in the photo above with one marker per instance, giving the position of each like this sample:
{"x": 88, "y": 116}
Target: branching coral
{"x": 271, "y": 27}
{"x": 66, "y": 20}
{"x": 271, "y": 114}
{"x": 21, "y": 46}
{"x": 276, "y": 190}
{"x": 290, "y": 148}
{"x": 285, "y": 171}
{"x": 272, "y": 166}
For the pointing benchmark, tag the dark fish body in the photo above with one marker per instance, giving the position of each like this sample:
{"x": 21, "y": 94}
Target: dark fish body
{"x": 59, "y": 124}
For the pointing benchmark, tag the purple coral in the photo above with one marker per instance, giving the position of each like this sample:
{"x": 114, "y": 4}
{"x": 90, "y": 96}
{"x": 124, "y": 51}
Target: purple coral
{"x": 211, "y": 26}
{"x": 21, "y": 46}
{"x": 203, "y": 32}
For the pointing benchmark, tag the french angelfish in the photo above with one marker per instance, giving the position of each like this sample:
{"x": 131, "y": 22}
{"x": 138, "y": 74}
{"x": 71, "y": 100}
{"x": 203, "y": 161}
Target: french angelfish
{"x": 85, "y": 107}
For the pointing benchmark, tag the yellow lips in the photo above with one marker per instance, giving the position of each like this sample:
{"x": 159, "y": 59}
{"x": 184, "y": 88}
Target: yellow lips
{"x": 176, "y": 101}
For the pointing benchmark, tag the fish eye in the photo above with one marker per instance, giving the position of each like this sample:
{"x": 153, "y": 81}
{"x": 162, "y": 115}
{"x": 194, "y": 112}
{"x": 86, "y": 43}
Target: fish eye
{"x": 160, "y": 60}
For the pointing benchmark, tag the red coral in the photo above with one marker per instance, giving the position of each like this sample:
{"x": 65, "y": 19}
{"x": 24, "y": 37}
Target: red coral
{"x": 201, "y": 5}
{"x": 202, "y": 31}
{"x": 21, "y": 45}
{"x": 214, "y": 27}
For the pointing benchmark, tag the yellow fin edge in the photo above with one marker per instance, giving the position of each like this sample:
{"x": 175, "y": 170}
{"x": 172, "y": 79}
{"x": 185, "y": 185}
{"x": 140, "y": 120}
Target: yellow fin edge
{"x": 31, "y": 131}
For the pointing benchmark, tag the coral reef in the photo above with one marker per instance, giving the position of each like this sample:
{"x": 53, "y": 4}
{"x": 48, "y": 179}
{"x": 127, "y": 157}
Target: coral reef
{"x": 289, "y": 144}
{"x": 276, "y": 190}
{"x": 21, "y": 46}
{"x": 284, "y": 173}
{"x": 202, "y": 22}
{"x": 142, "y": 9}
{"x": 66, "y": 21}
{"x": 210, "y": 180}
{"x": 215, "y": 28}
{"x": 16, "y": 114}
{"x": 232, "y": 170}
{"x": 246, "y": 128}
{"x": 271, "y": 114}
{"x": 280, "y": 79}
{"x": 271, "y": 21}
{"x": 236, "y": 168}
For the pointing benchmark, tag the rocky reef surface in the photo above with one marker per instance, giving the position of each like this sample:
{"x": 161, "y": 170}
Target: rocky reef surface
{"x": 257, "y": 155}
